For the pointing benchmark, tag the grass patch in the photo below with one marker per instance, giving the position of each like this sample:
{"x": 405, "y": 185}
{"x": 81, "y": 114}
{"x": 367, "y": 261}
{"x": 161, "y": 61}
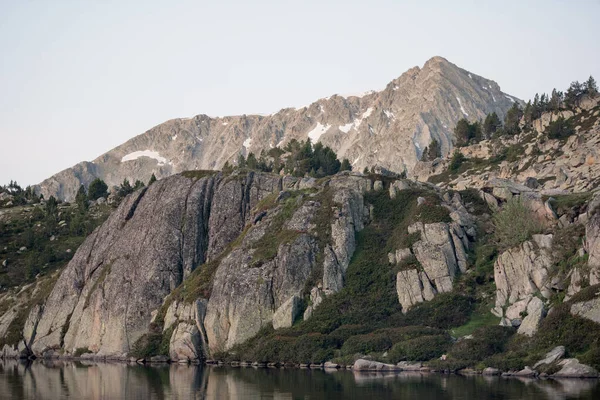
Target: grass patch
{"x": 198, "y": 174}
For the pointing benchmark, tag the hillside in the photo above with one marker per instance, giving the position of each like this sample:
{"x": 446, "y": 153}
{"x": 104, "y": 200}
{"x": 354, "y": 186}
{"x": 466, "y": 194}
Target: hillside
{"x": 389, "y": 128}
{"x": 487, "y": 262}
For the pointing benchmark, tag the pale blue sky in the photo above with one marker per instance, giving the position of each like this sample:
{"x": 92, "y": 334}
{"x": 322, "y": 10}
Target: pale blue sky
{"x": 78, "y": 78}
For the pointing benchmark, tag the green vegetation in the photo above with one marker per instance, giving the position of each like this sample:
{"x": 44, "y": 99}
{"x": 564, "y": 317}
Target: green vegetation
{"x": 467, "y": 133}
{"x": 432, "y": 151}
{"x": 560, "y": 128}
{"x": 301, "y": 158}
{"x": 365, "y": 316}
{"x": 456, "y": 161}
{"x": 515, "y": 223}
{"x": 97, "y": 189}
{"x": 199, "y": 174}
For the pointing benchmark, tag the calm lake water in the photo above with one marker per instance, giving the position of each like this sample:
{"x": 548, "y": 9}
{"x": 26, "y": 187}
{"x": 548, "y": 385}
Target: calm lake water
{"x": 87, "y": 380}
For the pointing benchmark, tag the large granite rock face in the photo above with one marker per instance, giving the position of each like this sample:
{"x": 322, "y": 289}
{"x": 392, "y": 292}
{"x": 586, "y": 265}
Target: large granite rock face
{"x": 441, "y": 253}
{"x": 262, "y": 232}
{"x": 389, "y": 128}
{"x": 520, "y": 273}
{"x": 104, "y": 298}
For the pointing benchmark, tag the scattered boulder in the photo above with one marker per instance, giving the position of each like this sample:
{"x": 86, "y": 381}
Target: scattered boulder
{"x": 588, "y": 309}
{"x": 551, "y": 357}
{"x": 491, "y": 371}
{"x": 408, "y": 366}
{"x": 368, "y": 365}
{"x": 526, "y": 372}
{"x": 535, "y": 314}
{"x": 572, "y": 368}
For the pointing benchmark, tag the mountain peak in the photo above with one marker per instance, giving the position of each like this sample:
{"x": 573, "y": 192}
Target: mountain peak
{"x": 390, "y": 128}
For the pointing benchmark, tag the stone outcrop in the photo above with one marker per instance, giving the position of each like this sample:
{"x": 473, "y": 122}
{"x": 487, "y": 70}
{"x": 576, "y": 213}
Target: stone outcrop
{"x": 104, "y": 298}
{"x": 551, "y": 357}
{"x": 519, "y": 274}
{"x": 389, "y": 128}
{"x": 368, "y": 365}
{"x": 441, "y": 253}
{"x": 572, "y": 368}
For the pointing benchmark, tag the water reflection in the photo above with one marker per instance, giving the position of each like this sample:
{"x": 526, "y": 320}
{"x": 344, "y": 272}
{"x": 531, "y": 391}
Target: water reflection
{"x": 88, "y": 380}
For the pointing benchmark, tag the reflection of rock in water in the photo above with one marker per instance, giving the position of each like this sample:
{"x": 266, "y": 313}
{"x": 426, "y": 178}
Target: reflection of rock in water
{"x": 88, "y": 380}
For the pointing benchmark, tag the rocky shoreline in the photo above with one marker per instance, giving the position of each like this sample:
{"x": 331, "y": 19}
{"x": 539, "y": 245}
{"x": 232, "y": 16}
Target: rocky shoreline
{"x": 571, "y": 368}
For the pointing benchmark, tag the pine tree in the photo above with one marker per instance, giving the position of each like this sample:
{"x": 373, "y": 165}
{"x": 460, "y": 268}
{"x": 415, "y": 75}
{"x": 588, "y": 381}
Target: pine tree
{"x": 152, "y": 179}
{"x": 574, "y": 94}
{"x": 81, "y": 199}
{"x": 251, "y": 161}
{"x": 97, "y": 189}
{"x": 590, "y": 87}
{"x": 555, "y": 100}
{"x": 512, "y": 119}
{"x": 346, "y": 166}
{"x": 462, "y": 132}
{"x": 491, "y": 124}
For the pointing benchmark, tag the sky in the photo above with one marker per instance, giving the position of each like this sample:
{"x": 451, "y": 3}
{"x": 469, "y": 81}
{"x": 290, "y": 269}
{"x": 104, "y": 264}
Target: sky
{"x": 78, "y": 78}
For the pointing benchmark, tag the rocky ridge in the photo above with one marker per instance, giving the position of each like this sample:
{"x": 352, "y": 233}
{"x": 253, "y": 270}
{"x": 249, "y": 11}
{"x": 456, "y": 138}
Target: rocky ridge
{"x": 389, "y": 128}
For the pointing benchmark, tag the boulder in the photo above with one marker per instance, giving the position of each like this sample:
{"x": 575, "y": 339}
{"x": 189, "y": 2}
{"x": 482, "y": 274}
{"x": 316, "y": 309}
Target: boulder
{"x": 551, "y": 357}
{"x": 368, "y": 365}
{"x": 491, "y": 371}
{"x": 572, "y": 368}
{"x": 588, "y": 309}
{"x": 526, "y": 372}
{"x": 408, "y": 366}
{"x": 535, "y": 314}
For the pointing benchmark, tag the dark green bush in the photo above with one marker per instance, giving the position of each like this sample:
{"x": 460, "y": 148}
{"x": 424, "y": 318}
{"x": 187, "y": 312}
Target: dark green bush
{"x": 147, "y": 345}
{"x": 486, "y": 342}
{"x": 446, "y": 310}
{"x": 365, "y": 344}
{"x": 421, "y": 348}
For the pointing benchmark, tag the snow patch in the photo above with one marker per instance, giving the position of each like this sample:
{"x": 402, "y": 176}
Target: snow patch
{"x": 174, "y": 137}
{"x": 247, "y": 143}
{"x": 225, "y": 123}
{"x": 470, "y": 76}
{"x": 355, "y": 161}
{"x": 346, "y": 128}
{"x": 319, "y": 130}
{"x": 510, "y": 98}
{"x": 145, "y": 153}
{"x": 461, "y": 107}
{"x": 389, "y": 114}
{"x": 396, "y": 87}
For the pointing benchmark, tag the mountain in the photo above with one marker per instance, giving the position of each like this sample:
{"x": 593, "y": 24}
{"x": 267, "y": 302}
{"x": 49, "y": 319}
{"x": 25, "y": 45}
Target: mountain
{"x": 389, "y": 128}
{"x": 485, "y": 264}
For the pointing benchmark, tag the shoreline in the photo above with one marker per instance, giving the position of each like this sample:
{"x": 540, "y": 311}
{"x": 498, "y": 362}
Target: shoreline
{"x": 387, "y": 369}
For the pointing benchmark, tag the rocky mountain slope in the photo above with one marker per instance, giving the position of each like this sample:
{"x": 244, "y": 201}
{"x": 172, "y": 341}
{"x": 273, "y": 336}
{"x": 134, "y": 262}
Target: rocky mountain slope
{"x": 389, "y": 128}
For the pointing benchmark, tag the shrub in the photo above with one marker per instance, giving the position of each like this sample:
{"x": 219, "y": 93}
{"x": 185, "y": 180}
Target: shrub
{"x": 486, "y": 342}
{"x": 456, "y": 161}
{"x": 147, "y": 345}
{"x": 515, "y": 223}
{"x": 97, "y": 189}
{"x": 446, "y": 310}
{"x": 560, "y": 129}
{"x": 421, "y": 348}
{"x": 365, "y": 344}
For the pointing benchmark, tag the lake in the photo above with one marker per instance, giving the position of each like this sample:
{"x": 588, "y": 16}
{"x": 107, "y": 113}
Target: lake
{"x": 90, "y": 380}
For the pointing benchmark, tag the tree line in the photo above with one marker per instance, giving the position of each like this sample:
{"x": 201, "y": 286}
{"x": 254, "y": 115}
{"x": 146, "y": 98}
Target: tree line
{"x": 297, "y": 158}
{"x": 473, "y": 132}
